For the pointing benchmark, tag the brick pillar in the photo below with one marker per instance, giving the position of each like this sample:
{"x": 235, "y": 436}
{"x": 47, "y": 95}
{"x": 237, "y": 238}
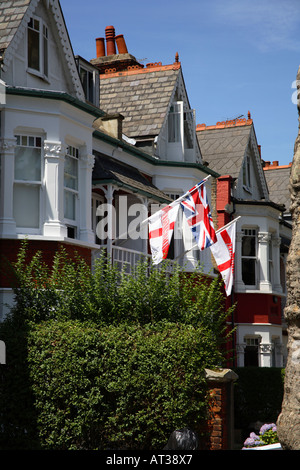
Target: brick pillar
{"x": 220, "y": 424}
{"x": 223, "y": 200}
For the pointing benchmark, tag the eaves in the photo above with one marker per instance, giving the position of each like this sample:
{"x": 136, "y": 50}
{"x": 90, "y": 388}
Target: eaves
{"x": 56, "y": 95}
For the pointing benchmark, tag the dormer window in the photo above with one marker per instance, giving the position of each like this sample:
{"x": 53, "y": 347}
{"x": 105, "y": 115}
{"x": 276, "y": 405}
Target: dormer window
{"x": 37, "y": 47}
{"x": 181, "y": 133}
{"x": 247, "y": 173}
{"x": 89, "y": 77}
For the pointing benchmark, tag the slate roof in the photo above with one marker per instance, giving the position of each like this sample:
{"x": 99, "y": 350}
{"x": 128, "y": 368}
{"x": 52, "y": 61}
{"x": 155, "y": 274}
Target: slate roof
{"x": 11, "y": 15}
{"x": 223, "y": 147}
{"x": 142, "y": 96}
{"x": 108, "y": 170}
{"x": 278, "y": 183}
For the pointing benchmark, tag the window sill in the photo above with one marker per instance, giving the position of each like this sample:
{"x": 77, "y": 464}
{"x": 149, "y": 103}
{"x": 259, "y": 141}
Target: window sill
{"x": 38, "y": 74}
{"x": 246, "y": 188}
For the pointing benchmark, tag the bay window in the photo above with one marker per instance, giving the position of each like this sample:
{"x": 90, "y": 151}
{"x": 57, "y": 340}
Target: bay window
{"x": 27, "y": 181}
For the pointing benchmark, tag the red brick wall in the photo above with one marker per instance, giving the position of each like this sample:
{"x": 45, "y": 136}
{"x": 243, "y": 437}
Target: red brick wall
{"x": 217, "y": 426}
{"x": 223, "y": 198}
{"x": 10, "y": 248}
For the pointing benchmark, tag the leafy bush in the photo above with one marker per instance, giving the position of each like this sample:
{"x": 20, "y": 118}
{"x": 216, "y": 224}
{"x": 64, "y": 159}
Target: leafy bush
{"x": 105, "y": 359}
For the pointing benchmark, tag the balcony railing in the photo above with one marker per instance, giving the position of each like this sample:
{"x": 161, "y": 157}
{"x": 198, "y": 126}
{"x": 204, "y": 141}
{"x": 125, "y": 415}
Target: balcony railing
{"x": 126, "y": 259}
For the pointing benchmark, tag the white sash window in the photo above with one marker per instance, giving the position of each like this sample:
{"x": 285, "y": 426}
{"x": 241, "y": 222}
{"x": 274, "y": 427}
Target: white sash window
{"x": 27, "y": 181}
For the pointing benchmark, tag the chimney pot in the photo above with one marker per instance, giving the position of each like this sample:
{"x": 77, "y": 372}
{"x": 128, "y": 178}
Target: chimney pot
{"x": 100, "y": 47}
{"x": 110, "y": 40}
{"x": 121, "y": 44}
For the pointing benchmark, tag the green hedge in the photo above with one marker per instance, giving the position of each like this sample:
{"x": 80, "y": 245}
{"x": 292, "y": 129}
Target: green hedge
{"x": 258, "y": 395}
{"x": 123, "y": 387}
{"x": 100, "y": 360}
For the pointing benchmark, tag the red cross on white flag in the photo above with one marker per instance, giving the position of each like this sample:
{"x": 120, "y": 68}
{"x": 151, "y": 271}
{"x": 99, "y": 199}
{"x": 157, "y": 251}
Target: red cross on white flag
{"x": 224, "y": 252}
{"x": 161, "y": 227}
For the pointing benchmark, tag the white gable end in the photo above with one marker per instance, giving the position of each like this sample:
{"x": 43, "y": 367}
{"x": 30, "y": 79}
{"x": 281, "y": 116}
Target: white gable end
{"x": 51, "y": 64}
{"x": 177, "y": 140}
{"x": 251, "y": 183}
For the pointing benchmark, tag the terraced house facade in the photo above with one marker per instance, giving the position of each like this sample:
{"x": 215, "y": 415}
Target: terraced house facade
{"x": 89, "y": 142}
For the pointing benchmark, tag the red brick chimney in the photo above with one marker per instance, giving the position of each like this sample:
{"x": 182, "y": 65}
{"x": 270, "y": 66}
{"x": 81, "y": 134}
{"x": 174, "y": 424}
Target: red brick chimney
{"x": 110, "y": 40}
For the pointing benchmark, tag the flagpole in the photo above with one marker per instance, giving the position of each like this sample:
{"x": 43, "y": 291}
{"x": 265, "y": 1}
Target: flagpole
{"x": 174, "y": 203}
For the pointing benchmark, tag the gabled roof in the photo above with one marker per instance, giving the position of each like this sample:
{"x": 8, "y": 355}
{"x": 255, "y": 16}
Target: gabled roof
{"x": 278, "y": 178}
{"x": 14, "y": 17}
{"x": 141, "y": 95}
{"x": 223, "y": 146}
{"x": 11, "y": 15}
{"x": 109, "y": 170}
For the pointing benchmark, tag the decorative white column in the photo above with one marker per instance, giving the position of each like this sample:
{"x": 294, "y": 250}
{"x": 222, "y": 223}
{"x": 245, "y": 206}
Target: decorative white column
{"x": 86, "y": 164}
{"x": 240, "y": 354}
{"x": 276, "y": 241}
{"x": 111, "y": 223}
{"x": 263, "y": 256}
{"x": 54, "y": 155}
{"x": 265, "y": 355}
{"x": 7, "y": 151}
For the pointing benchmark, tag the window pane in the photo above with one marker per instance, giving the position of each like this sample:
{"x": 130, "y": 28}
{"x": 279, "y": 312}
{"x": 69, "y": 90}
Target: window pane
{"x": 33, "y": 49}
{"x": 26, "y": 205}
{"x": 248, "y": 272}
{"x": 90, "y": 96}
{"x": 248, "y": 246}
{"x": 174, "y": 127}
{"x": 45, "y": 46}
{"x": 27, "y": 164}
{"x": 70, "y": 175}
{"x": 70, "y": 205}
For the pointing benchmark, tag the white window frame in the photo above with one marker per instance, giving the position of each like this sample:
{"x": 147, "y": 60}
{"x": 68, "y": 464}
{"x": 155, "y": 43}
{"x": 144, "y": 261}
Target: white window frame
{"x": 271, "y": 259}
{"x": 250, "y": 231}
{"x": 43, "y": 44}
{"x": 24, "y": 140}
{"x": 83, "y": 65}
{"x": 72, "y": 224}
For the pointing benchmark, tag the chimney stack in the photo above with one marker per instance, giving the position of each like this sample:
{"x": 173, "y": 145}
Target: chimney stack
{"x": 110, "y": 40}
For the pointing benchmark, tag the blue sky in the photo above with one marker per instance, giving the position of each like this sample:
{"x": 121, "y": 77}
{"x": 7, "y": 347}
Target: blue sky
{"x": 236, "y": 55}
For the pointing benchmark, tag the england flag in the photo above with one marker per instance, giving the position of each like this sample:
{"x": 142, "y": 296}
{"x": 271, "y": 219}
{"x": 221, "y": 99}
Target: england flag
{"x": 197, "y": 212}
{"x": 224, "y": 253}
{"x": 161, "y": 227}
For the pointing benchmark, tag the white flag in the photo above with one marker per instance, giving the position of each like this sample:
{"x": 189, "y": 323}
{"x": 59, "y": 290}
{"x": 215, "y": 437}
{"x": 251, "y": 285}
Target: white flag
{"x": 161, "y": 227}
{"x": 224, "y": 252}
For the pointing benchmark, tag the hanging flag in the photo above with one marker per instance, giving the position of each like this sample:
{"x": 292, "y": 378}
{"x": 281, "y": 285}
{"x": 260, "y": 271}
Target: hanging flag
{"x": 224, "y": 253}
{"x": 197, "y": 212}
{"x": 161, "y": 227}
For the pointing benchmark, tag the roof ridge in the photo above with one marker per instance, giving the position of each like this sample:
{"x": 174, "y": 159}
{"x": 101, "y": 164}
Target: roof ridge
{"x": 135, "y": 69}
{"x": 225, "y": 124}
